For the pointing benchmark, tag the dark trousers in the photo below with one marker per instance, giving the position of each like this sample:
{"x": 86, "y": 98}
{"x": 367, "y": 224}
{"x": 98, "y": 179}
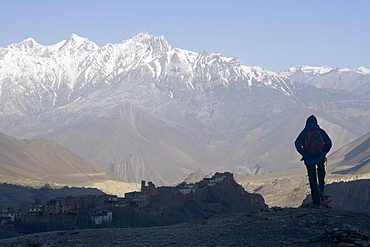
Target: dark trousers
{"x": 316, "y": 176}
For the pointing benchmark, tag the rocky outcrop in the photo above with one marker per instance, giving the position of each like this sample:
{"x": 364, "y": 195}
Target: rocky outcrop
{"x": 292, "y": 190}
{"x": 170, "y": 205}
{"x": 352, "y": 195}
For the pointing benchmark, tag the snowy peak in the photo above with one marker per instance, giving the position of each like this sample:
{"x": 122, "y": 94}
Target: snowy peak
{"x": 354, "y": 81}
{"x": 29, "y": 43}
{"x": 147, "y": 45}
{"x": 314, "y": 71}
{"x": 362, "y": 70}
{"x": 209, "y": 58}
{"x": 308, "y": 70}
{"x": 145, "y": 37}
{"x": 26, "y": 46}
{"x": 76, "y": 42}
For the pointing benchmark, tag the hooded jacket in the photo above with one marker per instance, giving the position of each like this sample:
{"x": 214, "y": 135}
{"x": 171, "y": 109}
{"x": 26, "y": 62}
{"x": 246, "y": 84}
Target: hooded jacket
{"x": 299, "y": 144}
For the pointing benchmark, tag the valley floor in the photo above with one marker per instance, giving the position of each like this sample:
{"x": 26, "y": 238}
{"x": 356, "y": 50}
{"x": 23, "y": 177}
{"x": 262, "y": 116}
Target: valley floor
{"x": 270, "y": 227}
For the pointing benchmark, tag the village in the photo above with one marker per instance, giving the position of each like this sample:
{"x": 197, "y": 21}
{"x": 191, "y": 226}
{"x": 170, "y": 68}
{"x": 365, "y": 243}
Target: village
{"x": 94, "y": 211}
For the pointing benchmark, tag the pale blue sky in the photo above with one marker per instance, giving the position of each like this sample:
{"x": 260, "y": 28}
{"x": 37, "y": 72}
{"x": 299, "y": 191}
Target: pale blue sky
{"x": 275, "y": 34}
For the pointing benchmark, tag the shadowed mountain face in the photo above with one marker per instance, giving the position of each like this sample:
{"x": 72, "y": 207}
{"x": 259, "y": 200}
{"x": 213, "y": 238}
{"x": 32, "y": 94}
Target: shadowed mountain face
{"x": 352, "y": 159}
{"x": 39, "y": 162}
{"x": 21, "y": 197}
{"x": 42, "y": 160}
{"x": 135, "y": 146}
{"x": 146, "y": 110}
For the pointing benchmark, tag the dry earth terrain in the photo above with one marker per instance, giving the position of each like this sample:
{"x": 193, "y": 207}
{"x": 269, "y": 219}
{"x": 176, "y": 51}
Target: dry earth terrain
{"x": 268, "y": 227}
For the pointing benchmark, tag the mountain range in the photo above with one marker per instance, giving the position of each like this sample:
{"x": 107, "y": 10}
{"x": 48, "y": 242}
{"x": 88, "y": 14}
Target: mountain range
{"x": 354, "y": 81}
{"x": 146, "y": 110}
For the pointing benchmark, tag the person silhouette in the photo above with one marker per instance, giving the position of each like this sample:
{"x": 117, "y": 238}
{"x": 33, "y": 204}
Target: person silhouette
{"x": 313, "y": 143}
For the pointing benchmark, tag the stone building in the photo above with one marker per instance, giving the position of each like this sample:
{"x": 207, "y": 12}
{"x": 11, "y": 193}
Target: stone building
{"x": 99, "y": 217}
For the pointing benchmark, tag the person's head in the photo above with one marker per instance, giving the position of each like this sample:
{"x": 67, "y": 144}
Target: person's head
{"x": 311, "y": 119}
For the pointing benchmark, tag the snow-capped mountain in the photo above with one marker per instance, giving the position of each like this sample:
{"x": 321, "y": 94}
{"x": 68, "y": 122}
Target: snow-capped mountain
{"x": 150, "y": 111}
{"x": 355, "y": 81}
{"x": 75, "y": 69}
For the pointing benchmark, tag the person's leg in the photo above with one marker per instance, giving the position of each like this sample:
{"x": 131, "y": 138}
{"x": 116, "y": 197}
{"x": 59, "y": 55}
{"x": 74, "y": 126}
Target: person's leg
{"x": 321, "y": 176}
{"x": 312, "y": 178}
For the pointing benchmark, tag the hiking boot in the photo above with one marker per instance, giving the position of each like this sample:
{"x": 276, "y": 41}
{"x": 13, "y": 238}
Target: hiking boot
{"x": 323, "y": 195}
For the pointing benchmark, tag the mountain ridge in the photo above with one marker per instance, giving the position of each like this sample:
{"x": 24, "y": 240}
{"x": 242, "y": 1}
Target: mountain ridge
{"x": 223, "y": 106}
{"x": 38, "y": 162}
{"x": 84, "y": 69}
{"x": 355, "y": 81}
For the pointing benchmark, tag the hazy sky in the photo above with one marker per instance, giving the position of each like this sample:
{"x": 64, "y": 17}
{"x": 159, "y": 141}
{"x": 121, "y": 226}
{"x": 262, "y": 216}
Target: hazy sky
{"x": 275, "y": 34}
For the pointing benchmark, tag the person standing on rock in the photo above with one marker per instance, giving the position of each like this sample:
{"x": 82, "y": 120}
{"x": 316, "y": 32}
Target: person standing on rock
{"x": 313, "y": 143}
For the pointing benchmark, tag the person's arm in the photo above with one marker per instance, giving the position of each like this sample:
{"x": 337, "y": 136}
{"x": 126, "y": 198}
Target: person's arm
{"x": 328, "y": 143}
